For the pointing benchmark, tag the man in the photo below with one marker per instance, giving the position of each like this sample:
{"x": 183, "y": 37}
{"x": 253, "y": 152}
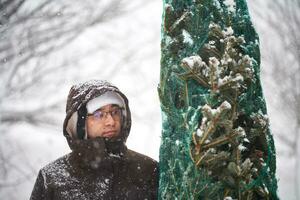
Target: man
{"x": 96, "y": 126}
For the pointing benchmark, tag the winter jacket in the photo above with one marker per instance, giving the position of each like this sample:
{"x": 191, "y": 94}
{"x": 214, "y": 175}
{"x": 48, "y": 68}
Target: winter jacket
{"x": 97, "y": 168}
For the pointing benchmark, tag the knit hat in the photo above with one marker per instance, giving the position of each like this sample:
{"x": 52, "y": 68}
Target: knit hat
{"x": 108, "y": 97}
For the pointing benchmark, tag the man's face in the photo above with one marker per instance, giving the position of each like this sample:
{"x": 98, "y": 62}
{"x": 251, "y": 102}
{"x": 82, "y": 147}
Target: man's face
{"x": 104, "y": 122}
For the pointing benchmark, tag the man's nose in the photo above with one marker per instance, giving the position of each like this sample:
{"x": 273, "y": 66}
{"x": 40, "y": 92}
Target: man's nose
{"x": 109, "y": 119}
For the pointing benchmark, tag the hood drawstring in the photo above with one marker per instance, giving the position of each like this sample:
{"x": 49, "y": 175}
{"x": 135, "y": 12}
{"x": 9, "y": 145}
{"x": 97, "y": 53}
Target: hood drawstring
{"x": 81, "y": 130}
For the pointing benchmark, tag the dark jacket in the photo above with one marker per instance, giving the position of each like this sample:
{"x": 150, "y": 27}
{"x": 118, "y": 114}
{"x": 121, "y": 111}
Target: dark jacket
{"x": 97, "y": 168}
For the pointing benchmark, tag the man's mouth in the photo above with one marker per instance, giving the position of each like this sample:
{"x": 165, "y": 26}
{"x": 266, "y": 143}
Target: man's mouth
{"x": 109, "y": 133}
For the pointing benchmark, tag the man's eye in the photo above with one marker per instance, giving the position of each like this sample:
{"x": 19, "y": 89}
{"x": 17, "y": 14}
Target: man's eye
{"x": 115, "y": 112}
{"x": 98, "y": 114}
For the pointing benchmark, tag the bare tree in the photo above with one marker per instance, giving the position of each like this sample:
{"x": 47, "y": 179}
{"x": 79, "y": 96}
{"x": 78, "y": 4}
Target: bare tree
{"x": 282, "y": 20}
{"x": 33, "y": 31}
{"x": 33, "y": 35}
{"x": 286, "y": 62}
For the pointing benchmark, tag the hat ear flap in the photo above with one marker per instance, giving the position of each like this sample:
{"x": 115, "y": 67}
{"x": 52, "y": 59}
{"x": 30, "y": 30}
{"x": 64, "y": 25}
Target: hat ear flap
{"x": 81, "y": 122}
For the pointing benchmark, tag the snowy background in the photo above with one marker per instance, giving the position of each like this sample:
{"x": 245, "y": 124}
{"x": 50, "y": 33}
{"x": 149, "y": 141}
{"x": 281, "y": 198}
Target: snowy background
{"x": 46, "y": 46}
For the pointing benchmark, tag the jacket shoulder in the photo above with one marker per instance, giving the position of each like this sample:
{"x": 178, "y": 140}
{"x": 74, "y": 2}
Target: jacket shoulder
{"x": 142, "y": 163}
{"x": 47, "y": 177}
{"x": 138, "y": 157}
{"x": 58, "y": 168}
{"x": 57, "y": 164}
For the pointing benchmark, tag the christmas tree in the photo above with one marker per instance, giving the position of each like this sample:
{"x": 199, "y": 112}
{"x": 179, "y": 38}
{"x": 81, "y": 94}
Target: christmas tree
{"x": 216, "y": 141}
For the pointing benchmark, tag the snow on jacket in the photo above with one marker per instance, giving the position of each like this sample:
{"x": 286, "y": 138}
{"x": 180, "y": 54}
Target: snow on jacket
{"x": 97, "y": 168}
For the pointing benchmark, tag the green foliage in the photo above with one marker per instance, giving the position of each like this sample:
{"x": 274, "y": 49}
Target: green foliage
{"x": 216, "y": 141}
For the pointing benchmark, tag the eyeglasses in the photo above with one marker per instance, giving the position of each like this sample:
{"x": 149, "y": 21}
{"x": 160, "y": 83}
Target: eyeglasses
{"x": 102, "y": 115}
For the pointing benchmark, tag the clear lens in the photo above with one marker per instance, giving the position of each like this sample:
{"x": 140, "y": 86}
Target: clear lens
{"x": 101, "y": 115}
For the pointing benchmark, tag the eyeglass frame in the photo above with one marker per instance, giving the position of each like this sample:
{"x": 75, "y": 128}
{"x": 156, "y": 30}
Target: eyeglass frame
{"x": 114, "y": 116}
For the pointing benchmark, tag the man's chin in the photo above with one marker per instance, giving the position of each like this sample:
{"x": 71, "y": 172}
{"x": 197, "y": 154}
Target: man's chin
{"x": 112, "y": 136}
